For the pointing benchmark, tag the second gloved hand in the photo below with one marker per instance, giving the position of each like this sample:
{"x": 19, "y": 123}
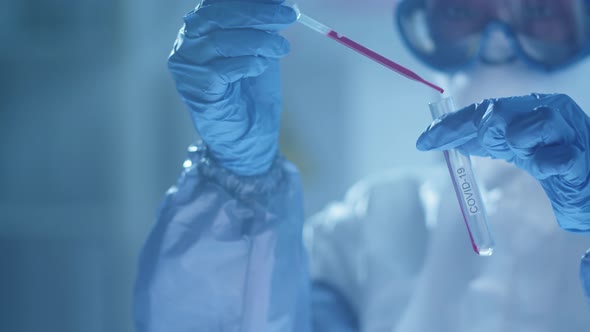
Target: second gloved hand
{"x": 546, "y": 135}
{"x": 226, "y": 66}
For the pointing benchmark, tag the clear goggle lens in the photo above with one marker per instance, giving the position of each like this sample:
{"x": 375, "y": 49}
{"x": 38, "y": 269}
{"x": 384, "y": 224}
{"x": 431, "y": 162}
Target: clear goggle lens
{"x": 448, "y": 34}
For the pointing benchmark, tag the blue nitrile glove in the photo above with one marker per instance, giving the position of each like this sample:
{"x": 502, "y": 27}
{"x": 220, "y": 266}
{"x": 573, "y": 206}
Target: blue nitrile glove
{"x": 226, "y": 66}
{"x": 546, "y": 135}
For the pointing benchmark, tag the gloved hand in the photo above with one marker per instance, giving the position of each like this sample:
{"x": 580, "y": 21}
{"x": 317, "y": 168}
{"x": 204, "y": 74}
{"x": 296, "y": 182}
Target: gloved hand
{"x": 546, "y": 135}
{"x": 226, "y": 66}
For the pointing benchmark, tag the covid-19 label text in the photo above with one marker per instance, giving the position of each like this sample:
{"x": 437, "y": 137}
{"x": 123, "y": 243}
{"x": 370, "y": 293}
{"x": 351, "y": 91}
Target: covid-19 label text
{"x": 466, "y": 185}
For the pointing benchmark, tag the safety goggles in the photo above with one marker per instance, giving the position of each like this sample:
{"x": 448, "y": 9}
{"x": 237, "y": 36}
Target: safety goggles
{"x": 450, "y": 34}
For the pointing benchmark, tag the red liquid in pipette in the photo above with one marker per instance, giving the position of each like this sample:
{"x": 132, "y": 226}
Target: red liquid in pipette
{"x": 381, "y": 59}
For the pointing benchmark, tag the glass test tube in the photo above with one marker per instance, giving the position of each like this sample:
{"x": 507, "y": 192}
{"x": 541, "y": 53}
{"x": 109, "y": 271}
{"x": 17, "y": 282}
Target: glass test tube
{"x": 466, "y": 189}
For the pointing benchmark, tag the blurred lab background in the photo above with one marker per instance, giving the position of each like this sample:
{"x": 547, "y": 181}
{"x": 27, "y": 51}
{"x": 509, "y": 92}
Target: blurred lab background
{"x": 92, "y": 134}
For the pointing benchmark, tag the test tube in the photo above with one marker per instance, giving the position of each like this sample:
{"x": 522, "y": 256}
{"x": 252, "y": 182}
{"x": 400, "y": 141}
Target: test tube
{"x": 466, "y": 188}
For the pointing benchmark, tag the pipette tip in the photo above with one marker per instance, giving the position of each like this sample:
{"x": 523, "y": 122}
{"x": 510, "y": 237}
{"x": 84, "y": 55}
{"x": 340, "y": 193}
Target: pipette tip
{"x": 432, "y": 85}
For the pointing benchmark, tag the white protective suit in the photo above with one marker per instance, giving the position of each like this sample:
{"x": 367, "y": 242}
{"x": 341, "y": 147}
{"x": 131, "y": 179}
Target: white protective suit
{"x": 359, "y": 246}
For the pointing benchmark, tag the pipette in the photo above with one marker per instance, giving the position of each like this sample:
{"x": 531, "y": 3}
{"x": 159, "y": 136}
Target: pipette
{"x": 468, "y": 194}
{"x": 330, "y": 33}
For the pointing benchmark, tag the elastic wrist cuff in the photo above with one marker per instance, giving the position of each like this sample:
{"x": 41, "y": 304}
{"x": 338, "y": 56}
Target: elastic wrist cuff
{"x": 199, "y": 163}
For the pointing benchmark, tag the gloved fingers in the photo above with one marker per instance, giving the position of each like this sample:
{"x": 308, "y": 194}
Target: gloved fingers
{"x": 231, "y": 70}
{"x": 473, "y": 148}
{"x": 500, "y": 115}
{"x": 209, "y": 83}
{"x": 452, "y": 130}
{"x": 551, "y": 160}
{"x": 569, "y": 162}
{"x": 542, "y": 127}
{"x": 487, "y": 120}
{"x": 492, "y": 137}
{"x": 238, "y": 15}
{"x": 233, "y": 43}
